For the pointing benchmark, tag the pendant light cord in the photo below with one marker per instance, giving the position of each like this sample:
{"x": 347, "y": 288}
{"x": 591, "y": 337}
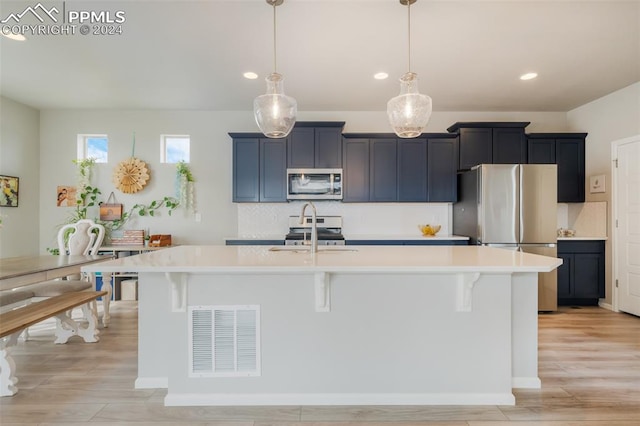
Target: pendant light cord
{"x": 275, "y": 70}
{"x": 409, "y": 32}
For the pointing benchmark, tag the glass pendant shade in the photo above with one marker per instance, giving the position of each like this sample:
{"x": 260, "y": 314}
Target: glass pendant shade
{"x": 274, "y": 111}
{"x": 409, "y": 112}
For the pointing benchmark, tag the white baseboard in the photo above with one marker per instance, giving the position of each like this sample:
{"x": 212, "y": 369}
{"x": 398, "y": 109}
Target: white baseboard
{"x": 526, "y": 383}
{"x": 218, "y": 399}
{"x": 608, "y": 306}
{"x": 151, "y": 383}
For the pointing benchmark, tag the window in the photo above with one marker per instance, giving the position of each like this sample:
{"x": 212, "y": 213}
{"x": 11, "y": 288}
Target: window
{"x": 93, "y": 146}
{"x": 174, "y": 148}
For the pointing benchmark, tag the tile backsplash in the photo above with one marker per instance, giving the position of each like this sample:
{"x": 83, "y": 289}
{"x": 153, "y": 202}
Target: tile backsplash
{"x": 267, "y": 219}
{"x": 587, "y": 219}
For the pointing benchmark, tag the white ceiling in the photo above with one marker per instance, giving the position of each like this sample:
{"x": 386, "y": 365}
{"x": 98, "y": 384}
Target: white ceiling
{"x": 468, "y": 54}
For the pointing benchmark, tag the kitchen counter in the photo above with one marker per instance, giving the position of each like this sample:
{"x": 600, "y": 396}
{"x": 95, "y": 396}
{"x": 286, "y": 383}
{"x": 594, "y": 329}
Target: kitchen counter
{"x": 367, "y": 325}
{"x": 292, "y": 259}
{"x": 582, "y": 238}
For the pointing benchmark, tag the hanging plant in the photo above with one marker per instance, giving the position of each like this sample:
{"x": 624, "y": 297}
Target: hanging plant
{"x": 185, "y": 191}
{"x": 84, "y": 169}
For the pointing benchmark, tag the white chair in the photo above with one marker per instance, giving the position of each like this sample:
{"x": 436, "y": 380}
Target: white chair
{"x": 83, "y": 237}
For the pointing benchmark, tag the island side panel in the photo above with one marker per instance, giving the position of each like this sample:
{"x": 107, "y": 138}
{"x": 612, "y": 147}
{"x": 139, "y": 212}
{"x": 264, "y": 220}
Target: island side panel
{"x": 388, "y": 339}
{"x": 154, "y": 302}
{"x": 525, "y": 330}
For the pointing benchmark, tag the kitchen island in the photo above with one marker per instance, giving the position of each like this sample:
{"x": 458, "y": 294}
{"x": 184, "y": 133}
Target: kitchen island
{"x": 254, "y": 325}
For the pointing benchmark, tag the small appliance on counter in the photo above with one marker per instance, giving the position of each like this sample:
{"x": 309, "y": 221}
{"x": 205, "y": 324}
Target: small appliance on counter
{"x": 329, "y": 231}
{"x": 512, "y": 206}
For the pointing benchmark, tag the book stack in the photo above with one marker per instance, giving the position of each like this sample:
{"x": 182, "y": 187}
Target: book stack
{"x": 130, "y": 237}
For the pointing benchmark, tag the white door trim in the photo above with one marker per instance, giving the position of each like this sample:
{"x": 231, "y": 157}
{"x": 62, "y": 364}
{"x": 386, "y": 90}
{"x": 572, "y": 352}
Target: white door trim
{"x": 614, "y": 214}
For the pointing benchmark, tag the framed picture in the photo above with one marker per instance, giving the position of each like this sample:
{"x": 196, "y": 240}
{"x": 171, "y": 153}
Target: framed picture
{"x": 8, "y": 191}
{"x": 66, "y": 196}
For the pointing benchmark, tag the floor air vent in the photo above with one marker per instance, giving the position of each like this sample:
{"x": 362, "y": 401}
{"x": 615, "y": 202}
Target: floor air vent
{"x": 224, "y": 341}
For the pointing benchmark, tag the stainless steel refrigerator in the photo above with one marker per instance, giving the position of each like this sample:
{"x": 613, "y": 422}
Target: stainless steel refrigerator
{"x": 512, "y": 206}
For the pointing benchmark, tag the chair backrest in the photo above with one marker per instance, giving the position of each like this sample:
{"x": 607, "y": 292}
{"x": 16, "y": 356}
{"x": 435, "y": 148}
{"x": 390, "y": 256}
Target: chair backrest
{"x": 85, "y": 237}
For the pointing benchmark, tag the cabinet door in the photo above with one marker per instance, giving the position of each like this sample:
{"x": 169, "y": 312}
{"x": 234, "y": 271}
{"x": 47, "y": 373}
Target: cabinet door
{"x": 328, "y": 147}
{"x": 273, "y": 170}
{"x": 571, "y": 175}
{"x": 541, "y": 151}
{"x": 246, "y": 170}
{"x": 301, "y": 148}
{"x": 509, "y": 146}
{"x": 412, "y": 170}
{"x": 383, "y": 183}
{"x": 564, "y": 276}
{"x": 441, "y": 170}
{"x": 586, "y": 275}
{"x": 355, "y": 181}
{"x": 475, "y": 147}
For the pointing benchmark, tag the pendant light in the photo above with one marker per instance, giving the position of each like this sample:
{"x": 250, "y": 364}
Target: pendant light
{"x": 274, "y": 111}
{"x": 409, "y": 112}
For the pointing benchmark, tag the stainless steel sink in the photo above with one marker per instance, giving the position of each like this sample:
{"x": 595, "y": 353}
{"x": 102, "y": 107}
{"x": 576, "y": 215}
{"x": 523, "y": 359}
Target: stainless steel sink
{"x": 306, "y": 249}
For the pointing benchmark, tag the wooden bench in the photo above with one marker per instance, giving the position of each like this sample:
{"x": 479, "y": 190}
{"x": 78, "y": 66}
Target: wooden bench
{"x": 13, "y": 322}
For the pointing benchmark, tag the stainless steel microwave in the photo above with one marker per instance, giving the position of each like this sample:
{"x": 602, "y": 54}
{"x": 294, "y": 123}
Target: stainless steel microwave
{"x": 314, "y": 184}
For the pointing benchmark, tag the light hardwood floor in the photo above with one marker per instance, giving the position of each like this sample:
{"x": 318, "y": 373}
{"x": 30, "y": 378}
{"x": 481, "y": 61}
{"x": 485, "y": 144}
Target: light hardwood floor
{"x": 589, "y": 366}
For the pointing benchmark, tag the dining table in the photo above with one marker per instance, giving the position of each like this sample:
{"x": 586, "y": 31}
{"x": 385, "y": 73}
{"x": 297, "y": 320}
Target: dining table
{"x": 24, "y": 270}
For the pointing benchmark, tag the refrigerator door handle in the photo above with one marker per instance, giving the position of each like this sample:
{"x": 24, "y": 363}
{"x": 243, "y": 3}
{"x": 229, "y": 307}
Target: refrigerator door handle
{"x": 518, "y": 204}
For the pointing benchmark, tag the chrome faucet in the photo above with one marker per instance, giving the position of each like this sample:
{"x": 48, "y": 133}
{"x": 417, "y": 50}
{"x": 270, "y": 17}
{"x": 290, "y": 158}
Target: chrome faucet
{"x": 314, "y": 229}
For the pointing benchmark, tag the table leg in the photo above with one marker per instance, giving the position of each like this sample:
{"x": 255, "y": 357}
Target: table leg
{"x": 8, "y": 377}
{"x": 106, "y": 300}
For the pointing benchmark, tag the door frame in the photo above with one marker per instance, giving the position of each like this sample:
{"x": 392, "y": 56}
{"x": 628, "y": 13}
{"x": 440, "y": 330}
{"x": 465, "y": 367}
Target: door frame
{"x": 614, "y": 214}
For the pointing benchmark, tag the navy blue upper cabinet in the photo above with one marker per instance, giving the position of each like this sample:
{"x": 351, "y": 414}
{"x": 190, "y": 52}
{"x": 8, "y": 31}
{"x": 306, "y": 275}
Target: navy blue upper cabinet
{"x": 412, "y": 170}
{"x": 490, "y": 143}
{"x": 301, "y": 148}
{"x": 509, "y": 145}
{"x": 383, "y": 175}
{"x": 315, "y": 145}
{"x": 259, "y": 168}
{"x": 246, "y": 169}
{"x": 273, "y": 170}
{"x": 567, "y": 150}
{"x": 355, "y": 178}
{"x": 442, "y": 162}
{"x": 379, "y": 167}
{"x": 476, "y": 147}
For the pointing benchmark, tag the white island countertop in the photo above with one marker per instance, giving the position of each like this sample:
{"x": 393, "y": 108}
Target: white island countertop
{"x": 345, "y": 259}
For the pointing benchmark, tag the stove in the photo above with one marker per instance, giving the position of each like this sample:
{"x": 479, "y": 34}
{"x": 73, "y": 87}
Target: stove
{"x": 329, "y": 231}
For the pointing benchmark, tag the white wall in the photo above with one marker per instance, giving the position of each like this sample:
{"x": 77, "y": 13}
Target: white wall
{"x": 607, "y": 119}
{"x": 210, "y": 163}
{"x": 20, "y": 156}
{"x": 211, "y": 154}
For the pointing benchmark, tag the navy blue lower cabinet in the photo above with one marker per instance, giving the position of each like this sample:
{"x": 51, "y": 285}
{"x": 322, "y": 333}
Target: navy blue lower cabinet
{"x": 581, "y": 277}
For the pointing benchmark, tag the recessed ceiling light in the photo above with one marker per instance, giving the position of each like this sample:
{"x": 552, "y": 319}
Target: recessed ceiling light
{"x": 380, "y": 75}
{"x": 17, "y": 37}
{"x": 529, "y": 76}
{"x": 250, "y": 75}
